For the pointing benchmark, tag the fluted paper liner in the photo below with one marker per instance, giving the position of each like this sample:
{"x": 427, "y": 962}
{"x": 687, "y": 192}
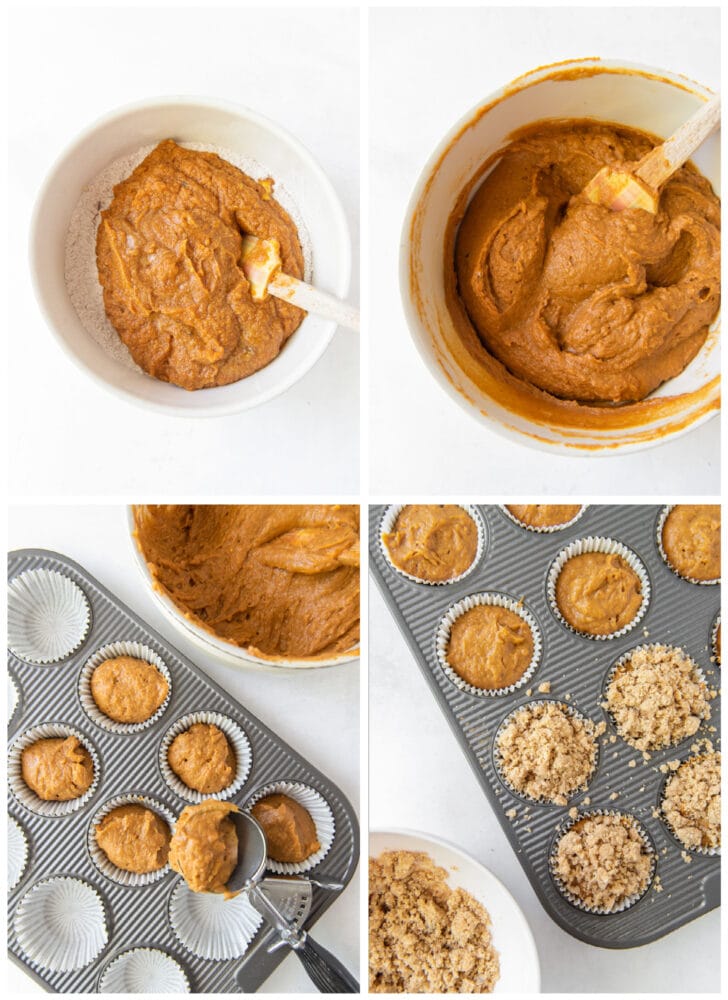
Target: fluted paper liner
{"x": 713, "y": 641}
{"x": 706, "y": 852}
{"x": 137, "y": 651}
{"x": 144, "y": 970}
{"x": 575, "y": 900}
{"x": 387, "y": 523}
{"x": 25, "y": 795}
{"x": 442, "y": 638}
{"x": 48, "y": 616}
{"x": 544, "y": 529}
{"x": 609, "y": 546}
{"x": 318, "y": 809}
{"x": 60, "y": 924}
{"x": 665, "y": 558}
{"x": 17, "y": 852}
{"x": 98, "y": 855}
{"x": 210, "y": 926}
{"x": 238, "y": 740}
{"x": 13, "y": 695}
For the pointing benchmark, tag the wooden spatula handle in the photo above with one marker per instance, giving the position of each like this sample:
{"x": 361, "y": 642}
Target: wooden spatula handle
{"x": 661, "y": 162}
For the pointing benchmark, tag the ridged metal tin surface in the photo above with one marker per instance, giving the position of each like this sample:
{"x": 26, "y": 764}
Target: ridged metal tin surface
{"x": 516, "y": 562}
{"x": 138, "y": 916}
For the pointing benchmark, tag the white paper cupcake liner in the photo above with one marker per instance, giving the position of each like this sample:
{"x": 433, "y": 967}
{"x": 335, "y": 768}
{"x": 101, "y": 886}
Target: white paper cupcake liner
{"x": 144, "y": 970}
{"x": 25, "y": 795}
{"x": 706, "y": 852}
{"x": 210, "y": 926}
{"x": 320, "y": 812}
{"x": 541, "y": 529}
{"x": 99, "y": 857}
{"x": 713, "y": 642}
{"x": 442, "y": 638}
{"x": 48, "y": 616}
{"x": 575, "y": 900}
{"x": 238, "y": 740}
{"x": 60, "y": 924}
{"x": 610, "y": 546}
{"x": 13, "y": 695}
{"x": 624, "y": 658}
{"x": 137, "y": 651}
{"x": 574, "y": 713}
{"x": 17, "y": 852}
{"x": 660, "y": 525}
{"x": 387, "y": 523}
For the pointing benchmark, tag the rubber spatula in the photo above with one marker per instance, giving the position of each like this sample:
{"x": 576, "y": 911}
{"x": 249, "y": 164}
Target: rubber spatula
{"x": 261, "y": 264}
{"x": 639, "y": 188}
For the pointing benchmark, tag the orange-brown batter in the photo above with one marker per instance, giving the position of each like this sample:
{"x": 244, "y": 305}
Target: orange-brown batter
{"x": 279, "y": 580}
{"x": 168, "y": 254}
{"x": 134, "y": 838}
{"x": 127, "y": 689}
{"x": 290, "y": 833}
{"x": 57, "y": 769}
{"x": 490, "y": 647}
{"x": 204, "y": 846}
{"x": 691, "y": 540}
{"x": 434, "y": 542}
{"x": 574, "y": 299}
{"x": 544, "y": 515}
{"x": 598, "y": 592}
{"x": 202, "y": 758}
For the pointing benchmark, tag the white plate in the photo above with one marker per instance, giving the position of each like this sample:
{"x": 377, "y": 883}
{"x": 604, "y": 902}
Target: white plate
{"x": 519, "y": 966}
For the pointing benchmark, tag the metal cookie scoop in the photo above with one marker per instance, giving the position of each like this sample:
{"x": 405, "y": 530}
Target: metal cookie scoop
{"x": 326, "y": 972}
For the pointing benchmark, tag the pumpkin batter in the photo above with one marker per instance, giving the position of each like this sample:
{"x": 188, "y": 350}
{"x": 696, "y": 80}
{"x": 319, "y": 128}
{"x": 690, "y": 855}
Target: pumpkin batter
{"x": 204, "y": 846}
{"x": 544, "y": 515}
{"x": 587, "y": 304}
{"x": 127, "y": 689}
{"x": 168, "y": 254}
{"x": 202, "y": 758}
{"x": 134, "y": 838}
{"x": 691, "y": 540}
{"x": 279, "y": 580}
{"x": 433, "y": 542}
{"x": 57, "y": 769}
{"x": 290, "y": 833}
{"x": 598, "y": 592}
{"x": 490, "y": 647}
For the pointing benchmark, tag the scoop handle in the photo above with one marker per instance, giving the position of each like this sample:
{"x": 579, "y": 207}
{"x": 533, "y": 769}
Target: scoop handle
{"x": 324, "y": 970}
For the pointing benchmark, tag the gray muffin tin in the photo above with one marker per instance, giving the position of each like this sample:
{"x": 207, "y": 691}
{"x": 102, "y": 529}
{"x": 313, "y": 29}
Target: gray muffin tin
{"x": 138, "y": 916}
{"x": 515, "y": 561}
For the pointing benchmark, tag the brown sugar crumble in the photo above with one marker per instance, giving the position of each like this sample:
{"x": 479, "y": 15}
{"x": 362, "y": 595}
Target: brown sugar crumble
{"x": 424, "y": 936}
{"x": 657, "y": 698}
{"x": 691, "y": 803}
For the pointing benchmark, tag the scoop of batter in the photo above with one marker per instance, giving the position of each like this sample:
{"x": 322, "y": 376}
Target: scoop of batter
{"x": 204, "y": 846}
{"x": 691, "y": 540}
{"x": 434, "y": 542}
{"x": 290, "y": 833}
{"x": 490, "y": 647}
{"x": 57, "y": 769}
{"x": 202, "y": 758}
{"x": 127, "y": 689}
{"x": 134, "y": 838}
{"x": 598, "y": 592}
{"x": 575, "y": 299}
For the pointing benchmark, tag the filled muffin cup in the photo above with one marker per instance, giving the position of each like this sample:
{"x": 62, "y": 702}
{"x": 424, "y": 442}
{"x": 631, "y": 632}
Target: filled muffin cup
{"x": 143, "y": 970}
{"x": 387, "y": 523}
{"x": 608, "y": 546}
{"x": 575, "y": 900}
{"x": 707, "y": 852}
{"x": 662, "y": 518}
{"x": 137, "y": 651}
{"x": 442, "y": 639}
{"x": 320, "y": 812}
{"x": 17, "y": 852}
{"x": 235, "y": 736}
{"x": 714, "y": 641}
{"x": 49, "y": 616}
{"x": 98, "y": 855}
{"x": 211, "y": 927}
{"x": 24, "y": 794}
{"x": 61, "y": 924}
{"x": 544, "y": 529}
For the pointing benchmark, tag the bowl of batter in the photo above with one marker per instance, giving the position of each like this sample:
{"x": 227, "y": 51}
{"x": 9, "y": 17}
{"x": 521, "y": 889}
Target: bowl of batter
{"x": 555, "y": 321}
{"x": 136, "y": 247}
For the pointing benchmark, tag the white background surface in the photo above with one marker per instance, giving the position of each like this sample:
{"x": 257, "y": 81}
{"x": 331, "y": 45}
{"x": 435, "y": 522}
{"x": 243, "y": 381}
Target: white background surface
{"x": 70, "y": 66}
{"x": 315, "y": 711}
{"x": 428, "y": 67}
{"x": 420, "y": 780}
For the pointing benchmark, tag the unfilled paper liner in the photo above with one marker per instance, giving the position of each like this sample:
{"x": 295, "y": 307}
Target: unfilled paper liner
{"x": 60, "y": 924}
{"x": 17, "y": 852}
{"x": 575, "y": 900}
{"x": 25, "y": 795}
{"x": 99, "y": 857}
{"x": 544, "y": 529}
{"x": 210, "y": 926}
{"x": 660, "y": 525}
{"x": 707, "y": 852}
{"x": 137, "y": 651}
{"x": 442, "y": 638}
{"x": 318, "y": 809}
{"x": 48, "y": 616}
{"x": 609, "y": 546}
{"x": 238, "y": 740}
{"x": 387, "y": 523}
{"x": 144, "y": 970}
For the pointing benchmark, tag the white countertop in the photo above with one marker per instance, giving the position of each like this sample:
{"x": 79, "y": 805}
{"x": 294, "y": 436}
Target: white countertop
{"x": 429, "y": 66}
{"x": 81, "y": 439}
{"x": 316, "y": 711}
{"x": 420, "y": 780}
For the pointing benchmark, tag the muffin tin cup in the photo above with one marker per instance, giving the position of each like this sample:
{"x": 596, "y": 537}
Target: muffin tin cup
{"x": 25, "y": 795}
{"x": 238, "y": 740}
{"x": 541, "y": 529}
{"x": 713, "y": 641}
{"x": 137, "y": 651}
{"x": 120, "y": 875}
{"x": 60, "y": 924}
{"x": 706, "y": 852}
{"x": 442, "y": 638}
{"x": 658, "y": 538}
{"x": 17, "y": 853}
{"x": 574, "y": 713}
{"x": 319, "y": 810}
{"x": 608, "y": 546}
{"x": 624, "y": 658}
{"x": 143, "y": 970}
{"x": 211, "y": 927}
{"x": 49, "y": 617}
{"x": 388, "y": 521}
{"x": 575, "y": 900}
